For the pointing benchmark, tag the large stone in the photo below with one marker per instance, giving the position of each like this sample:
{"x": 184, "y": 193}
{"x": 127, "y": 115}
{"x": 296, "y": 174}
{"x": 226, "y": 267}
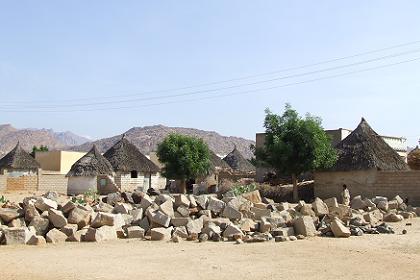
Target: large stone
{"x": 30, "y": 212}
{"x": 393, "y": 218}
{"x": 374, "y": 217}
{"x": 69, "y": 229}
{"x": 211, "y": 229}
{"x": 331, "y": 202}
{"x": 144, "y": 224}
{"x": 103, "y": 207}
{"x": 398, "y": 199}
{"x": 179, "y": 221}
{"x": 358, "y": 203}
{"x": 320, "y": 207}
{"x": 202, "y": 201}
{"x": 181, "y": 200}
{"x": 78, "y": 236}
{"x": 183, "y": 211}
{"x": 161, "y": 219}
{"x": 343, "y": 212}
{"x": 9, "y": 214}
{"x": 36, "y": 240}
{"x": 79, "y": 217}
{"x": 51, "y": 195}
{"x": 145, "y": 202}
{"x": 393, "y": 204}
{"x": 70, "y": 205}
{"x": 122, "y": 208}
{"x": 18, "y": 222}
{"x": 215, "y": 205}
{"x": 114, "y": 198}
{"x": 40, "y": 224}
{"x": 253, "y": 196}
{"x": 259, "y": 213}
{"x": 232, "y": 231}
{"x": 14, "y": 236}
{"x": 103, "y": 219}
{"x": 55, "y": 236}
{"x": 286, "y": 231}
{"x": 161, "y": 233}
{"x": 194, "y": 226}
{"x": 167, "y": 208}
{"x": 57, "y": 218}
{"x": 135, "y": 232}
{"x": 44, "y": 204}
{"x": 232, "y": 213}
{"x": 248, "y": 225}
{"x": 306, "y": 210}
{"x": 181, "y": 232}
{"x": 383, "y": 205}
{"x": 193, "y": 202}
{"x": 137, "y": 216}
{"x": 338, "y": 229}
{"x": 305, "y": 226}
{"x": 103, "y": 233}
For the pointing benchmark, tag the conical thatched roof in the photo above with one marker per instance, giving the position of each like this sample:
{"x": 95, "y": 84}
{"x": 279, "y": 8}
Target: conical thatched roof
{"x": 125, "y": 157}
{"x": 19, "y": 159}
{"x": 91, "y": 164}
{"x": 217, "y": 162}
{"x": 413, "y": 159}
{"x": 238, "y": 163}
{"x": 364, "y": 149}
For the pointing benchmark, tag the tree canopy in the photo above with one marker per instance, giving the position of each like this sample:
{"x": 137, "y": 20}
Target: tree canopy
{"x": 41, "y": 148}
{"x": 184, "y": 157}
{"x": 294, "y": 145}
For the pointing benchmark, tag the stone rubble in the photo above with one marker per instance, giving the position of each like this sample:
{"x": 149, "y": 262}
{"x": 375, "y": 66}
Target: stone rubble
{"x": 244, "y": 219}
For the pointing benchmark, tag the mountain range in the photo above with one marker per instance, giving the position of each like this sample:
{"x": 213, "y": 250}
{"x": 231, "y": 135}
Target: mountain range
{"x": 145, "y": 138}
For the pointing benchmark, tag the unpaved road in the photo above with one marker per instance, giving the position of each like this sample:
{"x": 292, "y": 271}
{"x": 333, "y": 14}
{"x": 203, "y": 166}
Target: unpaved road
{"x": 368, "y": 257}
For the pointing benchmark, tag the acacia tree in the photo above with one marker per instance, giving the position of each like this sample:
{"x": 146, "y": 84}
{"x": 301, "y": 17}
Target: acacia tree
{"x": 294, "y": 145}
{"x": 184, "y": 158}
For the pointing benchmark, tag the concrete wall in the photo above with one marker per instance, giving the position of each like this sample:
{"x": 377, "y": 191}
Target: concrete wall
{"x": 22, "y": 183}
{"x": 369, "y": 184}
{"x": 58, "y": 161}
{"x": 81, "y": 184}
{"x": 52, "y": 182}
{"x": 126, "y": 183}
{"x": 158, "y": 181}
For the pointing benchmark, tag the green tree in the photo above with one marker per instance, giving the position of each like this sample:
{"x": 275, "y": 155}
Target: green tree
{"x": 294, "y": 145}
{"x": 41, "y": 148}
{"x": 184, "y": 158}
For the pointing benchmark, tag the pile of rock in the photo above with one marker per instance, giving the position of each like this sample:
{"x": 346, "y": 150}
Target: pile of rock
{"x": 176, "y": 217}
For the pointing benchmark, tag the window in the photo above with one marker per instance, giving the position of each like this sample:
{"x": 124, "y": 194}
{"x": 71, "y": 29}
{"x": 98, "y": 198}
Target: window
{"x": 134, "y": 174}
{"x": 102, "y": 182}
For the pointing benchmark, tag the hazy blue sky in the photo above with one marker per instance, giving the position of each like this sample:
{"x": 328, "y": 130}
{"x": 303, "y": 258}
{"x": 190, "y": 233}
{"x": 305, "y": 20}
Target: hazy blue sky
{"x": 54, "y": 53}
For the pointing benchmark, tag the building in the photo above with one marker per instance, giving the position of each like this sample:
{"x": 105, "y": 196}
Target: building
{"x": 133, "y": 170}
{"x": 398, "y": 144}
{"x": 18, "y": 171}
{"x": 413, "y": 159}
{"x": 92, "y": 172}
{"x": 239, "y": 163}
{"x": 58, "y": 162}
{"x": 369, "y": 167}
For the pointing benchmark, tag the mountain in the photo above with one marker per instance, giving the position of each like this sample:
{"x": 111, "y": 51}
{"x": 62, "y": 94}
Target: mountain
{"x": 147, "y": 138}
{"x": 30, "y": 137}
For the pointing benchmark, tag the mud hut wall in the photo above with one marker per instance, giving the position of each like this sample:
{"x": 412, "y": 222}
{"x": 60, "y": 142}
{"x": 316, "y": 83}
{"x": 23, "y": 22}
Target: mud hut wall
{"x": 81, "y": 184}
{"x": 126, "y": 183}
{"x": 369, "y": 184}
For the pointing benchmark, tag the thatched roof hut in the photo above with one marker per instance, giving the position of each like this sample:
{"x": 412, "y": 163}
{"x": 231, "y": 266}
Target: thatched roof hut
{"x": 238, "y": 163}
{"x": 126, "y": 157}
{"x": 19, "y": 159}
{"x": 217, "y": 163}
{"x": 91, "y": 164}
{"x": 413, "y": 159}
{"x": 364, "y": 149}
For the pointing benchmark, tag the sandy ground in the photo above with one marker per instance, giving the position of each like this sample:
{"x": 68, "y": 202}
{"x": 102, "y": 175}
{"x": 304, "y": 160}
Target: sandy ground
{"x": 368, "y": 257}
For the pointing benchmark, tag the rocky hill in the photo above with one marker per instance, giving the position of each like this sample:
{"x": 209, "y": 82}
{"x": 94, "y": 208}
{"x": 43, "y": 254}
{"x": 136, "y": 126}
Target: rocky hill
{"x": 147, "y": 138}
{"x": 28, "y": 138}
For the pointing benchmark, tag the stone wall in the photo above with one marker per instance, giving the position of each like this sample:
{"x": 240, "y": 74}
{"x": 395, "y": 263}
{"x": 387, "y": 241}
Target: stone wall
{"x": 53, "y": 182}
{"x": 369, "y": 184}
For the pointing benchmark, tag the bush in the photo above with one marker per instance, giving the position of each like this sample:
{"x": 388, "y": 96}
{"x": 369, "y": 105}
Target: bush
{"x": 3, "y": 199}
{"x": 241, "y": 189}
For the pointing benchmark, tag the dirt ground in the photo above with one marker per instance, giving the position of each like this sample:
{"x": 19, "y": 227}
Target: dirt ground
{"x": 394, "y": 256}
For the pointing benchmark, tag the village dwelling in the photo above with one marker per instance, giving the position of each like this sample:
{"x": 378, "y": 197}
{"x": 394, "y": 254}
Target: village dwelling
{"x": 219, "y": 169}
{"x": 413, "y": 159}
{"x": 239, "y": 164}
{"x": 369, "y": 167}
{"x": 133, "y": 170}
{"x": 92, "y": 172}
{"x": 18, "y": 170}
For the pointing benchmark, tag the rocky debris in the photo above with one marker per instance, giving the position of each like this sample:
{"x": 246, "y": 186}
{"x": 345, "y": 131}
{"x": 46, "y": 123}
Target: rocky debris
{"x": 55, "y": 236}
{"x": 160, "y": 216}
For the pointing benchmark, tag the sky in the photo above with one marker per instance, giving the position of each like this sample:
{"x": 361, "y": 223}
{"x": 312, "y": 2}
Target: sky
{"x": 98, "y": 68}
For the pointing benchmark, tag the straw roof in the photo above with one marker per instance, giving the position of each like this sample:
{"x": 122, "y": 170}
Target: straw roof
{"x": 217, "y": 163}
{"x": 19, "y": 159}
{"x": 125, "y": 157}
{"x": 413, "y": 159}
{"x": 364, "y": 149}
{"x": 91, "y": 164}
{"x": 238, "y": 163}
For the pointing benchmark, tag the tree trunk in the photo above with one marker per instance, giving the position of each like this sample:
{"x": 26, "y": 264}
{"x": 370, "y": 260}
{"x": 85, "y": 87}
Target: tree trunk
{"x": 183, "y": 186}
{"x": 295, "y": 188}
